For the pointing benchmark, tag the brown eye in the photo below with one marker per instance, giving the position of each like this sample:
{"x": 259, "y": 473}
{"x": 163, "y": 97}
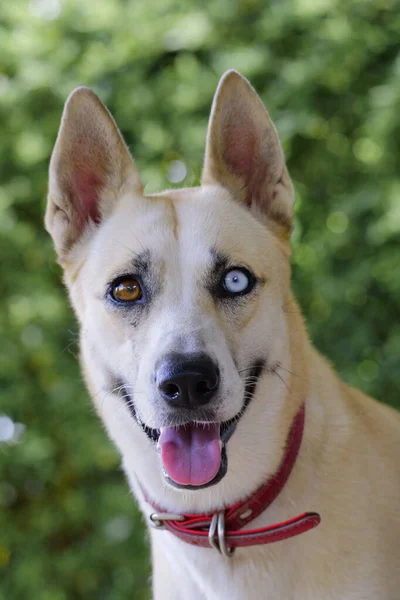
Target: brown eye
{"x": 128, "y": 290}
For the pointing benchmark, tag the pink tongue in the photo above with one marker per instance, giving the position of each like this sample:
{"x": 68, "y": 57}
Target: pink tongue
{"x": 191, "y": 454}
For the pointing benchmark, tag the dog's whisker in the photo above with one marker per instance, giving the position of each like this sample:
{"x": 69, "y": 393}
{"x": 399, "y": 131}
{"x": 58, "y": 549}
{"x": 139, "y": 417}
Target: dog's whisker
{"x": 68, "y": 348}
{"x": 288, "y": 302}
{"x": 246, "y": 369}
{"x": 279, "y": 366}
{"x": 281, "y": 378}
{"x": 74, "y": 333}
{"x": 139, "y": 242}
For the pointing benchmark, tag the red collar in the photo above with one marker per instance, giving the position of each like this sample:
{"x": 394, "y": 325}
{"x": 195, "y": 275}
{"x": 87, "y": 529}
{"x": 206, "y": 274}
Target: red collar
{"x": 222, "y": 530}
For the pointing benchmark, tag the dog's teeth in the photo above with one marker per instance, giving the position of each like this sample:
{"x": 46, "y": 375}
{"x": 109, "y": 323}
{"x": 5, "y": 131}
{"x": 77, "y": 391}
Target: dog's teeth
{"x": 158, "y": 447}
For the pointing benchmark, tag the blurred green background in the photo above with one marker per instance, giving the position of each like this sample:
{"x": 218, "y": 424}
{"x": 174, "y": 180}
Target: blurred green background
{"x": 329, "y": 72}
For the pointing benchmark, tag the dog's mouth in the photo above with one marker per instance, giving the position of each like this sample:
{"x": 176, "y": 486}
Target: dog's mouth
{"x": 194, "y": 454}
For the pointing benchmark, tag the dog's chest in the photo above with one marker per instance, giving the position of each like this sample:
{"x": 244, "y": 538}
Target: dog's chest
{"x": 282, "y": 570}
{"x": 202, "y": 574}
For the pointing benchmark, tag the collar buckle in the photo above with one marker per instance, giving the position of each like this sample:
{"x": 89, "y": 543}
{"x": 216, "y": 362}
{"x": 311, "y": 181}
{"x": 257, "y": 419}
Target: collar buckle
{"x": 217, "y": 526}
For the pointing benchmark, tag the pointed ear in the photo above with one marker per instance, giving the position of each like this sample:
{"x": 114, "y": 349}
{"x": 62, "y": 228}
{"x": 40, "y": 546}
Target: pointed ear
{"x": 89, "y": 168}
{"x": 243, "y": 152}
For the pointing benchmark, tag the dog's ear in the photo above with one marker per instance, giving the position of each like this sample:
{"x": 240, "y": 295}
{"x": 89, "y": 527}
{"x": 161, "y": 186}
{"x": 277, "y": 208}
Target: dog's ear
{"x": 89, "y": 168}
{"x": 243, "y": 152}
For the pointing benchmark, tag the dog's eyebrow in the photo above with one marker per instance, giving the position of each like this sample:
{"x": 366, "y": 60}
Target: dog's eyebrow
{"x": 141, "y": 263}
{"x": 220, "y": 260}
{"x": 219, "y": 264}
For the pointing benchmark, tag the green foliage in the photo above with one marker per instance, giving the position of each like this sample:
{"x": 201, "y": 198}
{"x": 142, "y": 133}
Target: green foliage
{"x": 329, "y": 72}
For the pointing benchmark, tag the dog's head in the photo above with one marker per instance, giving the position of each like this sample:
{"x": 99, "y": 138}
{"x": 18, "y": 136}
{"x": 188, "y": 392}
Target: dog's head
{"x": 180, "y": 295}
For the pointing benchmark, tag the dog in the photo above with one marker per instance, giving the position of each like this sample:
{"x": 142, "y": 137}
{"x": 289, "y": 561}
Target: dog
{"x": 196, "y": 357}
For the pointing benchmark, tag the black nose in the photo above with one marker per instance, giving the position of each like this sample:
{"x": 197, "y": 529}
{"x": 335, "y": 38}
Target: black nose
{"x": 187, "y": 381}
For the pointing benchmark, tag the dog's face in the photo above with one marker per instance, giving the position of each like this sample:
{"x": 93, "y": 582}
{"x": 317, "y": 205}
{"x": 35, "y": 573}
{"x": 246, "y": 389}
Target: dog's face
{"x": 180, "y": 295}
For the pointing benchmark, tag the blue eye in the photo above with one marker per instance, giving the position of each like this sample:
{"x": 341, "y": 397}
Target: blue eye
{"x": 237, "y": 281}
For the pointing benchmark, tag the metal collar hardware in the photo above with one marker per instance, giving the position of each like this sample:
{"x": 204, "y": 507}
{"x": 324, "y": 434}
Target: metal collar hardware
{"x": 216, "y": 531}
{"x": 218, "y": 525}
{"x": 156, "y": 519}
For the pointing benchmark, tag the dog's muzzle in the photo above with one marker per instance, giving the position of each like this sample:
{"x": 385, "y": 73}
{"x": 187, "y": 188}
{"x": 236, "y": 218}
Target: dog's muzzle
{"x": 193, "y": 444}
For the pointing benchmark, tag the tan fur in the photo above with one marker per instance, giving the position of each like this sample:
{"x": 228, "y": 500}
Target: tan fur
{"x": 348, "y": 467}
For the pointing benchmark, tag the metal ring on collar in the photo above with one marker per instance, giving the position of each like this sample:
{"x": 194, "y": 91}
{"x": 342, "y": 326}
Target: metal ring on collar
{"x": 211, "y": 533}
{"x": 227, "y": 552}
{"x": 218, "y": 525}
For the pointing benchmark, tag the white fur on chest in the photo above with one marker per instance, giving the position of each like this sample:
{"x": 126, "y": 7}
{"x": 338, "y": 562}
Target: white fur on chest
{"x": 289, "y": 570}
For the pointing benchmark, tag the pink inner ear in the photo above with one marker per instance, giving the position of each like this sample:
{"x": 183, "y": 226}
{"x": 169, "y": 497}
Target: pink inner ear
{"x": 239, "y": 146}
{"x": 241, "y": 157}
{"x": 86, "y": 173}
{"x": 85, "y": 196}
{"x": 240, "y": 154}
{"x": 88, "y": 186}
